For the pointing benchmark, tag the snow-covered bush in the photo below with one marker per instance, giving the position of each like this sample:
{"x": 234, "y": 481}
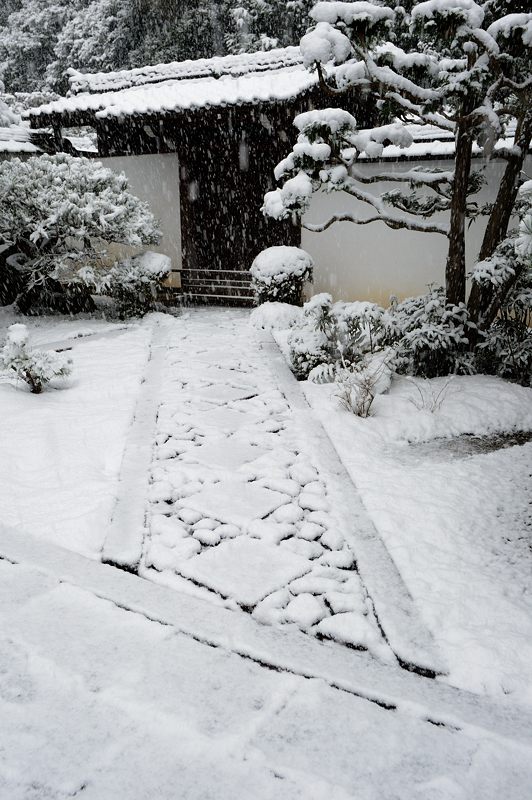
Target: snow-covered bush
{"x": 18, "y": 102}
{"x": 333, "y": 334}
{"x": 132, "y": 283}
{"x": 264, "y": 24}
{"x": 312, "y": 342}
{"x": 35, "y": 367}
{"x": 431, "y": 336}
{"x": 279, "y": 273}
{"x": 427, "y": 336}
{"x": 7, "y": 116}
{"x": 308, "y": 351}
{"x": 506, "y": 350}
{"x": 55, "y": 209}
{"x": 506, "y": 346}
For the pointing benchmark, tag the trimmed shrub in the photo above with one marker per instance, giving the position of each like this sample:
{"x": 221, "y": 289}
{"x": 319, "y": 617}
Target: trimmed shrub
{"x": 279, "y": 274}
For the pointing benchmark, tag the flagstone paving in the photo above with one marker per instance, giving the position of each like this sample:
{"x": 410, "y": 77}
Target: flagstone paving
{"x": 239, "y": 506}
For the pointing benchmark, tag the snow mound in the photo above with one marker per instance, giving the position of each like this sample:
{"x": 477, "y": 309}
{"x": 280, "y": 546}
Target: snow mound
{"x": 275, "y": 316}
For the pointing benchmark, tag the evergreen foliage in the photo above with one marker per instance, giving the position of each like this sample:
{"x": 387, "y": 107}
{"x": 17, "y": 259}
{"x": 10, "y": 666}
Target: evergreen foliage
{"x": 35, "y": 367}
{"x": 278, "y": 274}
{"x": 422, "y": 336}
{"x": 458, "y": 64}
{"x": 40, "y": 41}
{"x": 57, "y": 211}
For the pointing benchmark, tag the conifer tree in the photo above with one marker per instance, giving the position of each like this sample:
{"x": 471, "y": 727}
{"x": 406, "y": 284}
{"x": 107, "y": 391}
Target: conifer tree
{"x": 457, "y": 64}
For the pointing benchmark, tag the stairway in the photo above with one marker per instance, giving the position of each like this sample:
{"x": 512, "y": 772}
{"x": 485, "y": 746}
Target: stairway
{"x": 216, "y": 287}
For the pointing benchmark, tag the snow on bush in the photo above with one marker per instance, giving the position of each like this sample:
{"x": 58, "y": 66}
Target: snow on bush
{"x": 523, "y": 242}
{"x": 56, "y": 197}
{"x": 505, "y": 346}
{"x": 523, "y": 237}
{"x": 332, "y": 334}
{"x": 35, "y": 367}
{"x": 278, "y": 274}
{"x": 133, "y": 282}
{"x": 56, "y": 209}
{"x": 275, "y": 316}
{"x": 431, "y": 335}
{"x": 427, "y": 336}
{"x": 345, "y": 344}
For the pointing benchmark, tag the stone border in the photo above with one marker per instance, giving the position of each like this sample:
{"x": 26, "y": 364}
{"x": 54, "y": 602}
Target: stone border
{"x": 125, "y": 538}
{"x": 395, "y": 609}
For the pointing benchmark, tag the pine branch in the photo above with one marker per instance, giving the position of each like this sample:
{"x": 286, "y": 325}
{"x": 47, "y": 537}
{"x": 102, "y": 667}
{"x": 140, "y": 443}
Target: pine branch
{"x": 396, "y": 223}
{"x": 430, "y": 180}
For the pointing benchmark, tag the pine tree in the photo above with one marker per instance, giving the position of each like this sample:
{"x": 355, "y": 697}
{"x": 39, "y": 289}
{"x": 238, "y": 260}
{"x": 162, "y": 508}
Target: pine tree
{"x": 469, "y": 73}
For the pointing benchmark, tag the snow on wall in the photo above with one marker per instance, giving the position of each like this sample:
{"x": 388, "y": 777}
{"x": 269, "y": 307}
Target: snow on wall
{"x": 179, "y": 70}
{"x": 155, "y": 179}
{"x": 372, "y": 262}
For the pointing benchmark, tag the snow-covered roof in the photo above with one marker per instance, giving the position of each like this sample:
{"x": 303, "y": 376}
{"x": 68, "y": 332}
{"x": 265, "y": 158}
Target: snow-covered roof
{"x": 433, "y": 142}
{"x": 180, "y": 95}
{"x": 234, "y": 65}
{"x": 16, "y": 139}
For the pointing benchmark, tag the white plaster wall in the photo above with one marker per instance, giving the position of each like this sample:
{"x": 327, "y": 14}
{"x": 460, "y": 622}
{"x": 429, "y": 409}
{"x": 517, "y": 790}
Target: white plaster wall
{"x": 155, "y": 179}
{"x": 372, "y": 262}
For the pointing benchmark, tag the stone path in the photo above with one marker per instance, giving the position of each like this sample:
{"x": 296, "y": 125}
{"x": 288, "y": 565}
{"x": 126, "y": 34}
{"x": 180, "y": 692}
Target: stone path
{"x": 241, "y": 507}
{"x": 236, "y": 504}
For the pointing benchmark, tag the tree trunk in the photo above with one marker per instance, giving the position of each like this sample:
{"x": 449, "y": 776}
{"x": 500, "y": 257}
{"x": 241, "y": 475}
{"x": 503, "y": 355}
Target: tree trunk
{"x": 481, "y": 305}
{"x": 455, "y": 269}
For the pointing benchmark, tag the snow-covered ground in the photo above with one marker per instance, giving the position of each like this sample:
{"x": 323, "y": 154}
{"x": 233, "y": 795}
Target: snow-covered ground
{"x": 181, "y": 436}
{"x": 457, "y": 521}
{"x": 62, "y": 450}
{"x": 99, "y": 700}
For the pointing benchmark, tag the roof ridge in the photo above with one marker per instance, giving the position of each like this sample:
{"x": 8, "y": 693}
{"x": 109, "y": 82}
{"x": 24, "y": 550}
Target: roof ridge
{"x": 214, "y": 67}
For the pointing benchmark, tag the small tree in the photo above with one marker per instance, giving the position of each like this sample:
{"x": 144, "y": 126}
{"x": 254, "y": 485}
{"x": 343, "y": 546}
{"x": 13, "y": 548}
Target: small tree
{"x": 55, "y": 209}
{"x": 35, "y": 367}
{"x": 457, "y": 64}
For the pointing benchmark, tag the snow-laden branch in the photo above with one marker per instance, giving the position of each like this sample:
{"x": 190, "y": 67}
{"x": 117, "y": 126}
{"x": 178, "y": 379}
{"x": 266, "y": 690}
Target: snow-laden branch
{"x": 394, "y": 222}
{"x": 415, "y": 176}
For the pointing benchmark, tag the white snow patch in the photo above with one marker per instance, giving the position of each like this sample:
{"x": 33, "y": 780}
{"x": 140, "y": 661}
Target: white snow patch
{"x": 236, "y": 502}
{"x": 245, "y": 569}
